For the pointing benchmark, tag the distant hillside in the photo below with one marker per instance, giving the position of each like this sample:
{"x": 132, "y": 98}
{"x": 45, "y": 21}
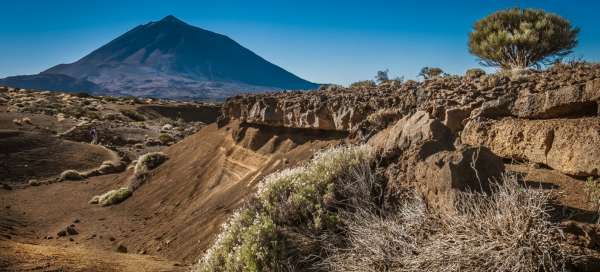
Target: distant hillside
{"x": 52, "y": 82}
{"x": 172, "y": 59}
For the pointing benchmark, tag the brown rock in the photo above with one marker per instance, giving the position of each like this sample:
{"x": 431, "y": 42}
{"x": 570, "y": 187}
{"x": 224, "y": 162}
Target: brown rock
{"x": 571, "y": 146}
{"x": 443, "y": 174}
{"x": 402, "y": 146}
{"x": 573, "y": 100}
{"x": 121, "y": 248}
{"x": 416, "y": 130}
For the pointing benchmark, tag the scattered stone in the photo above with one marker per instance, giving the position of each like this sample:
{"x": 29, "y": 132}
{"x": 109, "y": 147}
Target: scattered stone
{"x": 121, "y": 248}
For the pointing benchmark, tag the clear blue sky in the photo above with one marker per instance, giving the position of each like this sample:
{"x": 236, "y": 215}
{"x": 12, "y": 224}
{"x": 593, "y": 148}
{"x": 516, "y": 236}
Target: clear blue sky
{"x": 338, "y": 41}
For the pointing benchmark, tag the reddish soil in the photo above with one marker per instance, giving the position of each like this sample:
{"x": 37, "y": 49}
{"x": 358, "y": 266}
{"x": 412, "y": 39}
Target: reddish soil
{"x": 175, "y": 215}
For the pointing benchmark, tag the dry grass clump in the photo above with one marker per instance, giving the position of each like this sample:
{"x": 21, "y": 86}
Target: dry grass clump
{"x": 328, "y": 215}
{"x": 281, "y": 228}
{"x": 112, "y": 197}
{"x": 143, "y": 166}
{"x": 148, "y": 162}
{"x": 506, "y": 231}
{"x": 71, "y": 175}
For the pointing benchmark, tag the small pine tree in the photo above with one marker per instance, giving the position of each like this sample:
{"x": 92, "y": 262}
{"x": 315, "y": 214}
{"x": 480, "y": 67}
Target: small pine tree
{"x": 382, "y": 76}
{"x": 521, "y": 38}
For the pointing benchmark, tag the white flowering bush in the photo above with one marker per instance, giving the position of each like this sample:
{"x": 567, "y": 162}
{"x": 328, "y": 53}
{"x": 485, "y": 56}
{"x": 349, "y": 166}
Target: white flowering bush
{"x": 298, "y": 202}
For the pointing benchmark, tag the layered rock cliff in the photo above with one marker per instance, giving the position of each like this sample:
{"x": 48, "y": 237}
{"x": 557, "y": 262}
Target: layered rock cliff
{"x": 548, "y": 117}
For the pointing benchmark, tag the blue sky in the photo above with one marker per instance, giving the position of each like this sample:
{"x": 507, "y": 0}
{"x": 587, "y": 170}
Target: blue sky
{"x": 337, "y": 41}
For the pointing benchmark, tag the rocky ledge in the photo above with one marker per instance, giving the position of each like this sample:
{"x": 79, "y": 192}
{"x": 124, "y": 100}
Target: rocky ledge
{"x": 548, "y": 117}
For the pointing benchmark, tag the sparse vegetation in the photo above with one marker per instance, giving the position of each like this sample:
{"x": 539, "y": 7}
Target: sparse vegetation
{"x": 133, "y": 115}
{"x": 474, "y": 73}
{"x": 143, "y": 166}
{"x": 508, "y": 230}
{"x": 430, "y": 72}
{"x": 327, "y": 216}
{"x": 149, "y": 161}
{"x": 363, "y": 84}
{"x": 165, "y": 138}
{"x": 112, "y": 197}
{"x": 280, "y": 228}
{"x": 71, "y": 175}
{"x": 521, "y": 38}
{"x": 592, "y": 192}
{"x": 382, "y": 76}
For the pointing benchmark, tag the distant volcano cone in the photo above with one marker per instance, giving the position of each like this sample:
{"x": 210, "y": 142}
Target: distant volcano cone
{"x": 170, "y": 58}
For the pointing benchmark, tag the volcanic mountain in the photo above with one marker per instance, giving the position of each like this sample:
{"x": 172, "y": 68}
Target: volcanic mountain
{"x": 168, "y": 59}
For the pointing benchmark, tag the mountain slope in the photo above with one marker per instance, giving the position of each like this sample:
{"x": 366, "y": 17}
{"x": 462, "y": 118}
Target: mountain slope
{"x": 52, "y": 82}
{"x": 170, "y": 58}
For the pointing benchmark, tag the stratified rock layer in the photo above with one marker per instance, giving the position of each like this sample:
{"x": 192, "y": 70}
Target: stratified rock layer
{"x": 571, "y": 146}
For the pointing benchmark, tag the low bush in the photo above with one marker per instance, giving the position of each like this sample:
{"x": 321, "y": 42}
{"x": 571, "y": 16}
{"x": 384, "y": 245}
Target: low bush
{"x": 112, "y": 197}
{"x": 363, "y": 84}
{"x": 165, "y": 138}
{"x": 328, "y": 216}
{"x": 148, "y": 162}
{"x": 281, "y": 227}
{"x": 71, "y": 175}
{"x": 133, "y": 115}
{"x": 474, "y": 73}
{"x": 509, "y": 230}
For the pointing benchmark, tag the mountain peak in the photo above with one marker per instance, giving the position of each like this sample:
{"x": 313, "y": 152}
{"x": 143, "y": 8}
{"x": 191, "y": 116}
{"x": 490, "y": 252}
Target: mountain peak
{"x": 170, "y": 58}
{"x": 171, "y": 19}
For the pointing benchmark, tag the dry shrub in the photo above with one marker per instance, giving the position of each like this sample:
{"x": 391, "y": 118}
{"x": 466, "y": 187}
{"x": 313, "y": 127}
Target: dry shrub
{"x": 144, "y": 164}
{"x": 71, "y": 175}
{"x": 506, "y": 231}
{"x": 112, "y": 197}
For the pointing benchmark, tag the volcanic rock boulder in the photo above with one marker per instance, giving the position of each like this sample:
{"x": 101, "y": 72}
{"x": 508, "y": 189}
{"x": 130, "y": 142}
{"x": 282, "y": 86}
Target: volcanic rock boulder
{"x": 418, "y": 133}
{"x": 571, "y": 146}
{"x": 402, "y": 146}
{"x": 444, "y": 174}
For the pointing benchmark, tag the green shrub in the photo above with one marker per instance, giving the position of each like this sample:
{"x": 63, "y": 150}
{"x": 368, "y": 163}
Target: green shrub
{"x": 71, "y": 175}
{"x": 474, "y": 73}
{"x": 431, "y": 72}
{"x": 382, "y": 76}
{"x": 148, "y": 162}
{"x": 520, "y": 38}
{"x": 112, "y": 197}
{"x": 165, "y": 138}
{"x": 133, "y": 115}
{"x": 363, "y": 84}
{"x": 299, "y": 202}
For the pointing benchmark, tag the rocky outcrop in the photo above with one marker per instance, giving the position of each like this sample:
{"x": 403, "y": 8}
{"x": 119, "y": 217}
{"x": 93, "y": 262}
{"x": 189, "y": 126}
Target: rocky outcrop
{"x": 327, "y": 110}
{"x": 419, "y": 132}
{"x": 569, "y": 101}
{"x": 443, "y": 175}
{"x": 571, "y": 146}
{"x": 419, "y": 151}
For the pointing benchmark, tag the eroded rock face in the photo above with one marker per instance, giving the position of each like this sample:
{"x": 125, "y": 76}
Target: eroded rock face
{"x": 569, "y": 101}
{"x": 402, "y": 146}
{"x": 571, "y": 146}
{"x": 418, "y": 131}
{"x": 327, "y": 110}
{"x": 444, "y": 174}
